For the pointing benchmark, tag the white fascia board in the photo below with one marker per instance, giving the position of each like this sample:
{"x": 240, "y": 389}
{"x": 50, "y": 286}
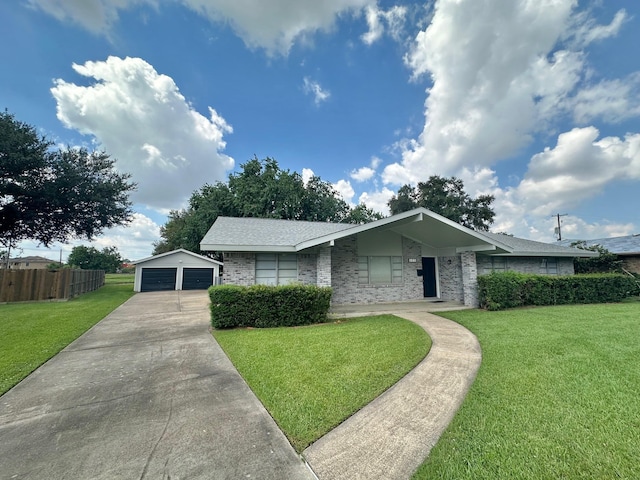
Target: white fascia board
{"x": 477, "y": 248}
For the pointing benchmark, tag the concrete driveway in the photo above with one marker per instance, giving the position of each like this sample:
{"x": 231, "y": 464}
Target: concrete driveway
{"x": 146, "y": 393}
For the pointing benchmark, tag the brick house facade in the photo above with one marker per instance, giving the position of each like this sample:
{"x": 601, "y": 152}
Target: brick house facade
{"x": 383, "y": 261}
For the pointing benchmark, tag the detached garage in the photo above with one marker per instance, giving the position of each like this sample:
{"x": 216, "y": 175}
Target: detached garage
{"x": 176, "y": 270}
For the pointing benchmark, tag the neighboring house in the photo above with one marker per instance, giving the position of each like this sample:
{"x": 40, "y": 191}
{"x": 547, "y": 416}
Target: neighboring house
{"x": 627, "y": 249}
{"x": 29, "y": 263}
{"x": 175, "y": 270}
{"x": 409, "y": 256}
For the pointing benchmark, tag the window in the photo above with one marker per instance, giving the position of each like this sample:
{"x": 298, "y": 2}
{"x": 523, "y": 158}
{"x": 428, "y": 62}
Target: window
{"x": 276, "y": 268}
{"x": 549, "y": 266}
{"x": 498, "y": 264}
{"x": 379, "y": 270}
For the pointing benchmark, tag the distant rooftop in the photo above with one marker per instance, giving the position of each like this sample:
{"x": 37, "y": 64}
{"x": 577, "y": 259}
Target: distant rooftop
{"x": 626, "y": 245}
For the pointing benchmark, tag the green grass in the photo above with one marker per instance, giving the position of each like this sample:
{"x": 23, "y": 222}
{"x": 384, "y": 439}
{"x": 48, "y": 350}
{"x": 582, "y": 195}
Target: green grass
{"x": 312, "y": 378}
{"x": 557, "y": 397}
{"x": 32, "y": 333}
{"x": 119, "y": 278}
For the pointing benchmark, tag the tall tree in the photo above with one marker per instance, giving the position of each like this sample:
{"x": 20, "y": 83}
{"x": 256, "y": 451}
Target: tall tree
{"x": 446, "y": 197}
{"x": 50, "y": 195}
{"x": 90, "y": 258}
{"x": 260, "y": 189}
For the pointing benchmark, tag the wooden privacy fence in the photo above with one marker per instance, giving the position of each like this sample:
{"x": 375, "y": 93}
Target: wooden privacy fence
{"x": 28, "y": 285}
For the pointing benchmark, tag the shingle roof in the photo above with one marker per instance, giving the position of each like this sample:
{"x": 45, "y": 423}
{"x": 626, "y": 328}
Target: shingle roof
{"x": 629, "y": 244}
{"x": 249, "y": 231}
{"x": 531, "y": 247}
{"x": 260, "y": 234}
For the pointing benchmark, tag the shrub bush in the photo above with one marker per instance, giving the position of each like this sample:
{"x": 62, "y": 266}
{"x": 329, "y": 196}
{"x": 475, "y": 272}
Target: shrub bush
{"x": 498, "y": 291}
{"x": 264, "y": 306}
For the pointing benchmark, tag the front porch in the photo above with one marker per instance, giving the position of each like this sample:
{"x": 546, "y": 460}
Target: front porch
{"x": 426, "y": 305}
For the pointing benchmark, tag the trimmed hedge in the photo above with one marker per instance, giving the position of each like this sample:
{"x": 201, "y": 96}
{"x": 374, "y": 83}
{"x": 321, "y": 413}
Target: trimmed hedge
{"x": 498, "y": 291}
{"x": 263, "y": 306}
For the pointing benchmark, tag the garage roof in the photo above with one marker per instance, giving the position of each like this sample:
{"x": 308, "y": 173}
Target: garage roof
{"x": 173, "y": 252}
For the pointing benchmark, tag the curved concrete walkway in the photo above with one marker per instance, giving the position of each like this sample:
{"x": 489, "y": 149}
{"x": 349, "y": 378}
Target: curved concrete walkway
{"x": 389, "y": 438}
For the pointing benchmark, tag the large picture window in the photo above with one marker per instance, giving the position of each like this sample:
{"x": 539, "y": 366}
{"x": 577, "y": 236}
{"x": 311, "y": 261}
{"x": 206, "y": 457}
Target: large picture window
{"x": 379, "y": 270}
{"x": 276, "y": 268}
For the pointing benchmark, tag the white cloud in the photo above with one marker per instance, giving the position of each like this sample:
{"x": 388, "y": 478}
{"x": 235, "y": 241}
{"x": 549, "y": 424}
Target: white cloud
{"x": 97, "y": 16}
{"x": 274, "y": 25}
{"x": 141, "y": 119}
{"x": 377, "y": 200}
{"x": 133, "y": 241}
{"x": 558, "y": 180}
{"x": 312, "y": 87}
{"x": 376, "y": 19}
{"x": 345, "y": 190}
{"x": 500, "y": 75}
{"x": 611, "y": 100}
{"x": 587, "y": 31}
{"x": 362, "y": 174}
{"x": 307, "y": 173}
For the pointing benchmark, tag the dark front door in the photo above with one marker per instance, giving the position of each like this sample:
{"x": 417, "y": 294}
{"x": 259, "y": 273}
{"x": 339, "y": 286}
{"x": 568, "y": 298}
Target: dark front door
{"x": 429, "y": 276}
{"x": 197, "y": 278}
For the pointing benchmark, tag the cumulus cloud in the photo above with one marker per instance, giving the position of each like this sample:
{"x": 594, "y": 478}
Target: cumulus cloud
{"x": 133, "y": 241}
{"x": 362, "y": 174}
{"x": 377, "y": 200}
{"x": 307, "y": 173}
{"x": 97, "y": 16}
{"x": 393, "y": 18}
{"x": 141, "y": 119}
{"x": 345, "y": 190}
{"x": 312, "y": 87}
{"x": 274, "y": 25}
{"x": 499, "y": 75}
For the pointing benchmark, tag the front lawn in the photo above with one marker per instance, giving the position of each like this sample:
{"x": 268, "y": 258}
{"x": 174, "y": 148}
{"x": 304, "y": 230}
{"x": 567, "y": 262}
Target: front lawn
{"x": 34, "y": 332}
{"x": 312, "y": 378}
{"x": 557, "y": 396}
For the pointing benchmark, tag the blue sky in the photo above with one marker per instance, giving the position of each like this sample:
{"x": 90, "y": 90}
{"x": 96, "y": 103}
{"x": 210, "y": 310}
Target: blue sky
{"x": 537, "y": 102}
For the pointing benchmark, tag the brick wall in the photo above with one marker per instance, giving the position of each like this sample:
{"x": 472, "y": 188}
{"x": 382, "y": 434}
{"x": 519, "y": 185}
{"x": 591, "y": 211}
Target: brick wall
{"x": 469, "y": 279}
{"x": 450, "y": 272}
{"x": 239, "y": 268}
{"x": 344, "y": 276}
{"x": 307, "y": 268}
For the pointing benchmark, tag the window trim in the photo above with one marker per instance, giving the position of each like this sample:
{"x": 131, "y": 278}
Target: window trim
{"x": 278, "y": 271}
{"x": 396, "y": 269}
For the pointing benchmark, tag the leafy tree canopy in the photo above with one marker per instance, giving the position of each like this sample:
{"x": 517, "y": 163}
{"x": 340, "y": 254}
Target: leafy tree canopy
{"x": 606, "y": 262}
{"x": 261, "y": 189}
{"x": 50, "y": 195}
{"x": 90, "y": 258}
{"x": 446, "y": 197}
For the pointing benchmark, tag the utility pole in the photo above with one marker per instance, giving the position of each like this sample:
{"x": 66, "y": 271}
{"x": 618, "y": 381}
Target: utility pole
{"x": 558, "y": 229}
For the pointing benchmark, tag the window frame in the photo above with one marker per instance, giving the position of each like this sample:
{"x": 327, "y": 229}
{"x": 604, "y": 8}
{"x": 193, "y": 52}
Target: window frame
{"x": 394, "y": 276}
{"x": 281, "y": 268}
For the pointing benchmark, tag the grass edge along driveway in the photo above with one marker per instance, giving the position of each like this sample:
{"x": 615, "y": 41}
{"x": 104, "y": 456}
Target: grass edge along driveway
{"x": 312, "y": 378}
{"x": 33, "y": 332}
{"x": 556, "y": 397}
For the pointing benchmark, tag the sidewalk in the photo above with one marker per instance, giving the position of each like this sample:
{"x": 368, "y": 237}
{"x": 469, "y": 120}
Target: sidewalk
{"x": 389, "y": 438}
